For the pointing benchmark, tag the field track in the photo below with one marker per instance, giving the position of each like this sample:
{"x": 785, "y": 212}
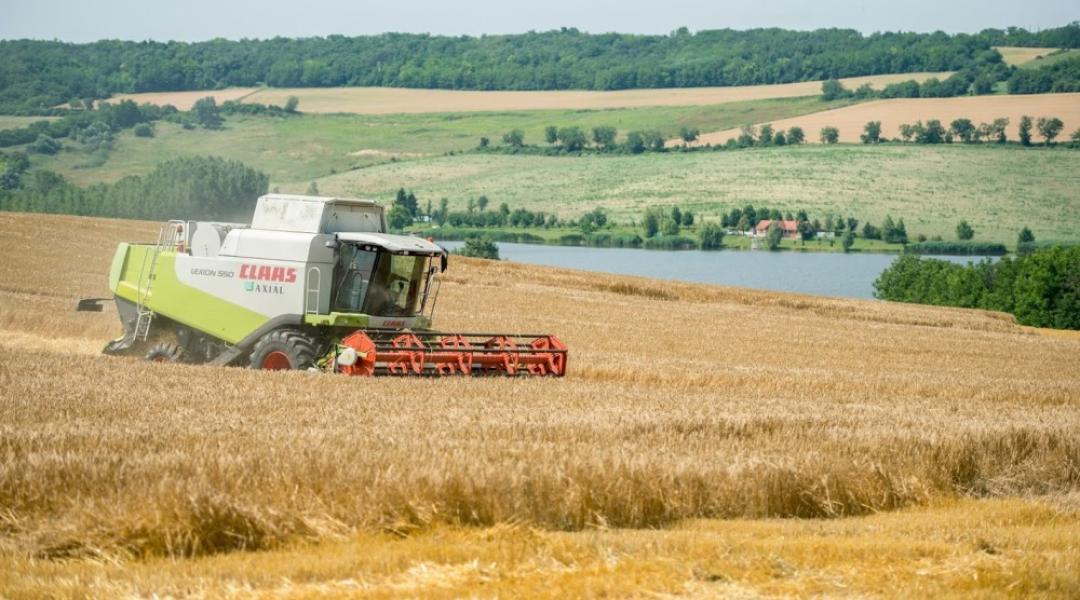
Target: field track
{"x": 892, "y": 113}
{"x": 682, "y": 403}
{"x": 185, "y": 100}
{"x": 363, "y": 100}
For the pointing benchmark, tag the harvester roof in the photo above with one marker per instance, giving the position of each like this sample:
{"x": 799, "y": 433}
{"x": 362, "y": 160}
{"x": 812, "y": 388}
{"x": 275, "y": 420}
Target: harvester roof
{"x": 393, "y": 243}
{"x": 314, "y": 214}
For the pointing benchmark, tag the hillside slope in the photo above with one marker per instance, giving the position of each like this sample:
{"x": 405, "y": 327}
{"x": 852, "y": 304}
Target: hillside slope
{"x": 997, "y": 190}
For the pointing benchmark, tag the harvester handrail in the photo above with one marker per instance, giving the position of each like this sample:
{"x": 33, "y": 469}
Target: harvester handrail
{"x": 317, "y": 290}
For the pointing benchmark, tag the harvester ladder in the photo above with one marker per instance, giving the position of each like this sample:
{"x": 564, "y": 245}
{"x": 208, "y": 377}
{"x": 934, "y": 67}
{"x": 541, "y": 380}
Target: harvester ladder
{"x": 167, "y": 238}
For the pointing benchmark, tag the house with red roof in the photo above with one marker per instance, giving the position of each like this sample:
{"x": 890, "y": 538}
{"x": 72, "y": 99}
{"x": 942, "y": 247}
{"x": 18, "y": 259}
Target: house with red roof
{"x": 790, "y": 229}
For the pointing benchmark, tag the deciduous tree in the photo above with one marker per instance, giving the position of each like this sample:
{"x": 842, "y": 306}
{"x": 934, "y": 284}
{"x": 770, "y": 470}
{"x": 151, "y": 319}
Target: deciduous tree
{"x": 207, "y": 113}
{"x": 1025, "y": 130}
{"x": 871, "y": 132}
{"x": 963, "y": 129}
{"x": 604, "y": 137}
{"x": 514, "y": 138}
{"x": 773, "y": 236}
{"x": 964, "y": 231}
{"x": 796, "y": 135}
{"x": 1049, "y": 128}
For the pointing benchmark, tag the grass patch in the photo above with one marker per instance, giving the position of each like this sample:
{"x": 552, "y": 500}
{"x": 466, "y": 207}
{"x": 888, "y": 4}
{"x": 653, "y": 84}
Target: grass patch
{"x": 306, "y": 147}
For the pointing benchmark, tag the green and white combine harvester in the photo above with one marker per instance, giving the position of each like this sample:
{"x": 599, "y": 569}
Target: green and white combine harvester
{"x": 311, "y": 283}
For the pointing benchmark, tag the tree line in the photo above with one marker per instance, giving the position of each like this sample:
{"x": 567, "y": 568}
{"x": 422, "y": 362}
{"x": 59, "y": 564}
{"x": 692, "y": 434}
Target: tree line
{"x": 1041, "y": 288}
{"x": 206, "y": 188}
{"x": 575, "y": 140}
{"x": 604, "y": 139}
{"x": 974, "y": 80}
{"x": 965, "y": 131}
{"x": 36, "y": 76}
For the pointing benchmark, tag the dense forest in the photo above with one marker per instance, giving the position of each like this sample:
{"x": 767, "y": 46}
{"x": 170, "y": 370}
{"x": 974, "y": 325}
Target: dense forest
{"x": 38, "y": 75}
{"x": 1041, "y": 289}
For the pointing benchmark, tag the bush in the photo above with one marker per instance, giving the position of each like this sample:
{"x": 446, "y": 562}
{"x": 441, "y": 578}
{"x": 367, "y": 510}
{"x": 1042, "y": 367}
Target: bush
{"x": 966, "y": 248}
{"x": 44, "y": 145}
{"x": 143, "y": 130}
{"x": 670, "y": 242}
{"x": 480, "y": 247}
{"x": 711, "y": 236}
{"x": 607, "y": 240}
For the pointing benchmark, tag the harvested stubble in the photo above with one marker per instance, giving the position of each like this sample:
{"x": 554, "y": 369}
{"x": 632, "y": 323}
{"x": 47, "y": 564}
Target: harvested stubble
{"x": 682, "y": 401}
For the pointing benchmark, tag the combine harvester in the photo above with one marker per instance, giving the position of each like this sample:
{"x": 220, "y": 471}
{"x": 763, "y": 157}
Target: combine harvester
{"x": 312, "y": 283}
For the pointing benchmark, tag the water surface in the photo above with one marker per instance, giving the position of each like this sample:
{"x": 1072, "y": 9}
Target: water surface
{"x": 819, "y": 273}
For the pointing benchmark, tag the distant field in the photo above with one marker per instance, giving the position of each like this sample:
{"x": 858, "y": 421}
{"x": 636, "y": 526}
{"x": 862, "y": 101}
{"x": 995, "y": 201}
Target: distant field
{"x": 1016, "y": 55}
{"x": 1033, "y": 58}
{"x": 892, "y": 113}
{"x": 998, "y": 190}
{"x": 308, "y": 146}
{"x": 379, "y": 101}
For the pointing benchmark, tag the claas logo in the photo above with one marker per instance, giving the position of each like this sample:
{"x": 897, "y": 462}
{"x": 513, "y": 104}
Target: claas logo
{"x": 267, "y": 273}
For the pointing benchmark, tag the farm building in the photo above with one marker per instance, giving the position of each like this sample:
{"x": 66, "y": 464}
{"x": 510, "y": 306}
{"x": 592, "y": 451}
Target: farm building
{"x": 790, "y": 229}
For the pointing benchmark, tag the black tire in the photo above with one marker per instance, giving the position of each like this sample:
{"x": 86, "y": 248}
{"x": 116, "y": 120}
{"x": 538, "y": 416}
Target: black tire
{"x": 283, "y": 349}
{"x": 166, "y": 352}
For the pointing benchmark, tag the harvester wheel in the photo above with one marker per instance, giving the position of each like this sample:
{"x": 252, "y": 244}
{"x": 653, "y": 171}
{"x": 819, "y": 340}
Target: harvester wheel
{"x": 166, "y": 352}
{"x": 283, "y": 349}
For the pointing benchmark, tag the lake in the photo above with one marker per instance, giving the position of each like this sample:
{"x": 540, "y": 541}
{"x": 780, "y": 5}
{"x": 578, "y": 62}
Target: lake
{"x": 819, "y": 273}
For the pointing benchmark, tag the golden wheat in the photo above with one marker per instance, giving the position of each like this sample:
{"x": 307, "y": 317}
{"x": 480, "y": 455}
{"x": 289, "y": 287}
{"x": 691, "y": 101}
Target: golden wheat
{"x": 997, "y": 548}
{"x": 682, "y": 401}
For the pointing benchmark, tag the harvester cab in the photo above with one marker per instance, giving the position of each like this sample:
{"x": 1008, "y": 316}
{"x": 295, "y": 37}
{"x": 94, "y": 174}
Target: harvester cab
{"x": 311, "y": 283}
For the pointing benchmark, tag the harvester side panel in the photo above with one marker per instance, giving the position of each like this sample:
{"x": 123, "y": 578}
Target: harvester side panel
{"x": 169, "y": 297}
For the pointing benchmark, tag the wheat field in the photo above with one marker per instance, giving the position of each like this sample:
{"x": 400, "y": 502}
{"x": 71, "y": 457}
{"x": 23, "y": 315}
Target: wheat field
{"x": 385, "y": 101}
{"x": 948, "y": 440}
{"x": 894, "y": 112}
